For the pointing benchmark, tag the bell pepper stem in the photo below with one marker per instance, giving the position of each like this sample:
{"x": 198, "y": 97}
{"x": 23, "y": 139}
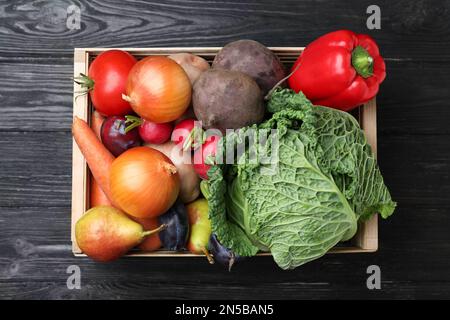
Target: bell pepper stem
{"x": 154, "y": 231}
{"x": 362, "y": 61}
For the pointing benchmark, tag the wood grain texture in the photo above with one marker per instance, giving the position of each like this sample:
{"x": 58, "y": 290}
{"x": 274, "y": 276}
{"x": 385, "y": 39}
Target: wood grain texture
{"x": 136, "y": 23}
{"x": 36, "y": 64}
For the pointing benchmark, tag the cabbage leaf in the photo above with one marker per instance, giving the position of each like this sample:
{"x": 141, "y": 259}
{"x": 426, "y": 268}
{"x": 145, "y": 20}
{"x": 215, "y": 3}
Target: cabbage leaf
{"x": 322, "y": 180}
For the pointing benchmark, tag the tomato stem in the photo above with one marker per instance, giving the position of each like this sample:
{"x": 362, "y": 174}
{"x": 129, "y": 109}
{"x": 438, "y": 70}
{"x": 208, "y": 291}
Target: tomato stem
{"x": 85, "y": 82}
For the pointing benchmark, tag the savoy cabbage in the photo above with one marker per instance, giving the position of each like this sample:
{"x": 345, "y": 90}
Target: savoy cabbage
{"x": 323, "y": 179}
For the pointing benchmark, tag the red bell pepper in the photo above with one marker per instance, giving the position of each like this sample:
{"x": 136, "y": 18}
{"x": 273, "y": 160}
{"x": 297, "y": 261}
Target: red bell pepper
{"x": 341, "y": 70}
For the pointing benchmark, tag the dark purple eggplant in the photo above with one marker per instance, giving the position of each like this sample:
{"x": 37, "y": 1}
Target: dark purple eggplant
{"x": 222, "y": 254}
{"x": 176, "y": 235}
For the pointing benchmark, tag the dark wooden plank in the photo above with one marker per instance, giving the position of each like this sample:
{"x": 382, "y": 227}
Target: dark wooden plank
{"x": 410, "y": 29}
{"x": 28, "y": 154}
{"x": 415, "y": 167}
{"x": 145, "y": 289}
{"x": 36, "y": 96}
{"x": 36, "y": 168}
{"x": 413, "y": 99}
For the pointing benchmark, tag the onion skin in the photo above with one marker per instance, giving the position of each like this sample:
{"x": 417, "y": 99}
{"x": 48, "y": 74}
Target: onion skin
{"x": 189, "y": 180}
{"x": 144, "y": 182}
{"x": 158, "y": 89}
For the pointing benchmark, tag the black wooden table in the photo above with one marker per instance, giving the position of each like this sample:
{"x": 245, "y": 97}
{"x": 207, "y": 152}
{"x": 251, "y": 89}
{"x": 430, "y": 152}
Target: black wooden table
{"x": 36, "y": 63}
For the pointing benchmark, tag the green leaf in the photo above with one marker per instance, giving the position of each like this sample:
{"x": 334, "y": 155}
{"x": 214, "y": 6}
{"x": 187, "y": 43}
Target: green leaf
{"x": 346, "y": 154}
{"x": 324, "y": 178}
{"x": 228, "y": 233}
{"x": 299, "y": 213}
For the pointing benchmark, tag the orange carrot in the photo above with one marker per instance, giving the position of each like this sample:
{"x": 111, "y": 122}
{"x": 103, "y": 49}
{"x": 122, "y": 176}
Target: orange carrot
{"x": 97, "y": 156}
{"x": 97, "y": 196}
{"x": 96, "y": 123}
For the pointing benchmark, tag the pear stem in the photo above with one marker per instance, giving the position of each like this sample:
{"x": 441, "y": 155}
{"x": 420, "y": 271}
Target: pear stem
{"x": 208, "y": 255}
{"x": 150, "y": 232}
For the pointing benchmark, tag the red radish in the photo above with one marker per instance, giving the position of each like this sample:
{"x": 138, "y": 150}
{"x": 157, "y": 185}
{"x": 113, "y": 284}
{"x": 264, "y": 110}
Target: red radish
{"x": 204, "y": 156}
{"x": 150, "y": 132}
{"x": 189, "y": 133}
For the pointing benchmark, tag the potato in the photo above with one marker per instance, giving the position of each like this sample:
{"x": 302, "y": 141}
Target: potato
{"x": 224, "y": 99}
{"x": 253, "y": 59}
{"x": 189, "y": 179}
{"x": 193, "y": 65}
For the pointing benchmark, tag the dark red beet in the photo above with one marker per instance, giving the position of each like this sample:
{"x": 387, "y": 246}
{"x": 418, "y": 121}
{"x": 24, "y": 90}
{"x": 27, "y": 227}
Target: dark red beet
{"x": 114, "y": 137}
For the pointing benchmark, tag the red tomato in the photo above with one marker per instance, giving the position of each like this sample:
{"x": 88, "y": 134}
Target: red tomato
{"x": 108, "y": 76}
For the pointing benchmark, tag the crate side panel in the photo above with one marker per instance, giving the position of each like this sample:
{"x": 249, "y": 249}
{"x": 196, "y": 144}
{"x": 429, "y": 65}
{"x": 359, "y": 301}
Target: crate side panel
{"x": 79, "y": 168}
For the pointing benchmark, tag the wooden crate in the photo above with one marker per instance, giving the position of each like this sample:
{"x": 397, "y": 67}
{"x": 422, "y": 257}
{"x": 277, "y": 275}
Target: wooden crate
{"x": 366, "y": 240}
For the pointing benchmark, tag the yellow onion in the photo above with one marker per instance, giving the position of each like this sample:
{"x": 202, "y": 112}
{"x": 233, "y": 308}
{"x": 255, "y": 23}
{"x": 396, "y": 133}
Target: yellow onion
{"x": 144, "y": 182}
{"x": 158, "y": 89}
